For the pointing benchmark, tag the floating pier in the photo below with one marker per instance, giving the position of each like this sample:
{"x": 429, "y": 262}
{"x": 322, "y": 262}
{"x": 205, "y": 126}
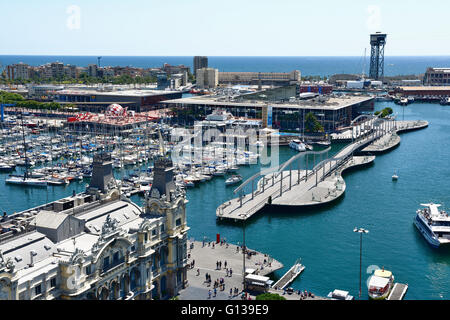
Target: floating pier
{"x": 289, "y": 276}
{"x": 398, "y": 292}
{"x": 285, "y": 186}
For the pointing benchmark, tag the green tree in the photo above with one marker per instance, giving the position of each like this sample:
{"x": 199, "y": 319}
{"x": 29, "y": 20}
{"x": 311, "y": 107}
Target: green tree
{"x": 270, "y": 296}
{"x": 312, "y": 124}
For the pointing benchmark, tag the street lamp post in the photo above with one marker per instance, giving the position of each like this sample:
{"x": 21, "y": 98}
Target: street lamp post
{"x": 244, "y": 249}
{"x": 361, "y": 231}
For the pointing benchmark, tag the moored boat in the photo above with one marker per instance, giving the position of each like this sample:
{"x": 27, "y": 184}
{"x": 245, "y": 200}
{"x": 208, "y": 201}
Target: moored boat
{"x": 434, "y": 224}
{"x": 32, "y": 182}
{"x": 380, "y": 284}
{"x": 233, "y": 180}
{"x": 299, "y": 145}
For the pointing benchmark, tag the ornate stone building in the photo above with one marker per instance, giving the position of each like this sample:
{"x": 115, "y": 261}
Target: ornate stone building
{"x": 123, "y": 251}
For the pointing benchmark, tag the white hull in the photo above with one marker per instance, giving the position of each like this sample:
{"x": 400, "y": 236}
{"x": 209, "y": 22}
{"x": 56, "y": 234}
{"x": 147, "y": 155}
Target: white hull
{"x": 27, "y": 182}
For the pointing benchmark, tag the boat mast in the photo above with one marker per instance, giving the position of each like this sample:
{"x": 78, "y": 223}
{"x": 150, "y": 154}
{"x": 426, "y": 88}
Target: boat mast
{"x": 25, "y": 176}
{"x": 364, "y": 65}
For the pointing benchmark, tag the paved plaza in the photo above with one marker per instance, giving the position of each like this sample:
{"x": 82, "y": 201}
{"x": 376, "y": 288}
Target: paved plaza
{"x": 205, "y": 256}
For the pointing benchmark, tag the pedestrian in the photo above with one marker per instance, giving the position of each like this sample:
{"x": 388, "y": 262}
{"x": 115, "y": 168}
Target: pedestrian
{"x": 226, "y": 270}
{"x": 198, "y": 272}
{"x": 231, "y": 292}
{"x": 220, "y": 265}
{"x": 231, "y": 272}
{"x": 225, "y": 263}
{"x": 209, "y": 294}
{"x": 215, "y": 292}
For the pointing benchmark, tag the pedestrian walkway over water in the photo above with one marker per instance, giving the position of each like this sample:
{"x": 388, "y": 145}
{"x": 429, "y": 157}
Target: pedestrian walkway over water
{"x": 289, "y": 276}
{"x": 288, "y": 186}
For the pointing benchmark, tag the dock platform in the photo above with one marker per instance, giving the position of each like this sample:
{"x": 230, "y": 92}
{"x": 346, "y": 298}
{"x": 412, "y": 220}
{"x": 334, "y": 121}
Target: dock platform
{"x": 398, "y": 292}
{"x": 289, "y": 276}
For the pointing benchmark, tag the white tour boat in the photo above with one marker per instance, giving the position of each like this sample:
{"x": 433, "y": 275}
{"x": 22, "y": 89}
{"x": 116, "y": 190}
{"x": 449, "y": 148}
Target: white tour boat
{"x": 434, "y": 224}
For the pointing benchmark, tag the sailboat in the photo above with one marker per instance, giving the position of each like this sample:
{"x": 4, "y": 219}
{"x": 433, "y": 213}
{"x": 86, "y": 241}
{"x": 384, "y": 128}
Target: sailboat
{"x": 26, "y": 180}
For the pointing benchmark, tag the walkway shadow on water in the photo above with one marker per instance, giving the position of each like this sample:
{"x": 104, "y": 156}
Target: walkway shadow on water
{"x": 287, "y": 212}
{"x": 284, "y": 212}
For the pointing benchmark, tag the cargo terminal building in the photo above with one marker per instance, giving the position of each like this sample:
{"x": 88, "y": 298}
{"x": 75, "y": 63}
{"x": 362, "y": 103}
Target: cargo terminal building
{"x": 98, "y": 101}
{"x": 334, "y": 113}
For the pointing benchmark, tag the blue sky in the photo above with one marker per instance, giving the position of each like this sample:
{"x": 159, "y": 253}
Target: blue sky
{"x": 222, "y": 28}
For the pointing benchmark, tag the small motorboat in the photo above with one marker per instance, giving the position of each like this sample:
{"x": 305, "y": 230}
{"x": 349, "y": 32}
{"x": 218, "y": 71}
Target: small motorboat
{"x": 403, "y": 102}
{"x": 394, "y": 177}
{"x": 189, "y": 183}
{"x": 299, "y": 145}
{"x": 233, "y": 180}
{"x": 445, "y": 101}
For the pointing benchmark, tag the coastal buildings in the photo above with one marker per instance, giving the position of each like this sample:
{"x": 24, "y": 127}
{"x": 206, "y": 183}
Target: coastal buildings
{"x": 260, "y": 78}
{"x": 92, "y": 70}
{"x": 199, "y": 63}
{"x": 18, "y": 71}
{"x": 100, "y": 245}
{"x": 57, "y": 69}
{"x": 437, "y": 77}
{"x": 207, "y": 78}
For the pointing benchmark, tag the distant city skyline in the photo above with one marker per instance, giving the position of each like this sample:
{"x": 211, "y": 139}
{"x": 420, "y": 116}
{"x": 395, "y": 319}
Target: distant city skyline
{"x": 231, "y": 28}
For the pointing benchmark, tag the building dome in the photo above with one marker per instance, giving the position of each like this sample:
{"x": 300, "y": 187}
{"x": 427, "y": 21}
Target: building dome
{"x": 115, "y": 110}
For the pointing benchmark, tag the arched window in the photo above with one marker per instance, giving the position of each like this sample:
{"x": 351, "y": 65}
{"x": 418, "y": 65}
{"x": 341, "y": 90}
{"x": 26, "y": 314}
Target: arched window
{"x": 163, "y": 286}
{"x": 134, "y": 278}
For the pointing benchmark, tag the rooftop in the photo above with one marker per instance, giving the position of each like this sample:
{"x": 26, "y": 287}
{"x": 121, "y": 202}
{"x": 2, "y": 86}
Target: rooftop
{"x": 125, "y": 93}
{"x": 433, "y": 88}
{"x": 333, "y": 103}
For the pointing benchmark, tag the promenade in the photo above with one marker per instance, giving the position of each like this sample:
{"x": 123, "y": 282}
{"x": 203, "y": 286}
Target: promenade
{"x": 206, "y": 256}
{"x": 322, "y": 184}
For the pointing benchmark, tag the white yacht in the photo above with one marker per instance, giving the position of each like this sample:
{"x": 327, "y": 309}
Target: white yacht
{"x": 27, "y": 181}
{"x": 6, "y": 166}
{"x": 434, "y": 224}
{"x": 298, "y": 145}
{"x": 404, "y": 101}
{"x": 233, "y": 180}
